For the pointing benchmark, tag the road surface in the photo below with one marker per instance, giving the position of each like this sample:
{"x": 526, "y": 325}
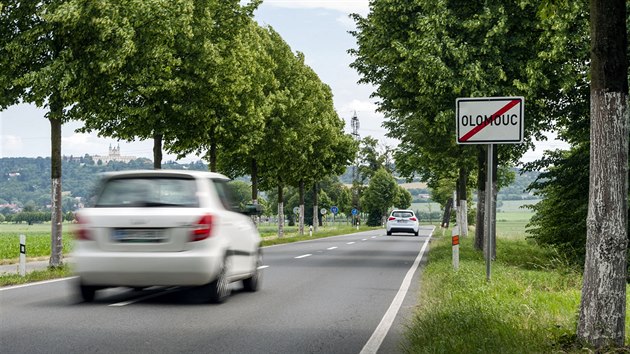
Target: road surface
{"x": 332, "y": 295}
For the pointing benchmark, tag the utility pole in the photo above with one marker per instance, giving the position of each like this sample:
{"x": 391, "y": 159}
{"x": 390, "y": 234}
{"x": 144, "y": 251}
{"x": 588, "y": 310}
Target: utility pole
{"x": 355, "y": 169}
{"x": 355, "y": 135}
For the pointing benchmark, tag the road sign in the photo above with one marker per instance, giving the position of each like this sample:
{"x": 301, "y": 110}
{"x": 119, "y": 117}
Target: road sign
{"x": 334, "y": 209}
{"x": 323, "y": 211}
{"x": 490, "y": 120}
{"x": 355, "y": 211}
{"x": 296, "y": 210}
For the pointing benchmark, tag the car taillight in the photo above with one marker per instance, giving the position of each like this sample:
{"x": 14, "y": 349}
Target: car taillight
{"x": 391, "y": 218}
{"x": 413, "y": 218}
{"x": 203, "y": 228}
{"x": 81, "y": 232}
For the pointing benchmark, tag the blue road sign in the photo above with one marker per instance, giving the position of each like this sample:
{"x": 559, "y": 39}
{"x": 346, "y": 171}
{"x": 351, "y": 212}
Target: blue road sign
{"x": 334, "y": 209}
{"x": 355, "y": 211}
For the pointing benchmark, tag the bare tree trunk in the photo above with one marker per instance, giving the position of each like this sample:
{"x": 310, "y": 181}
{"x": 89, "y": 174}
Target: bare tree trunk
{"x": 462, "y": 208}
{"x": 157, "y": 151}
{"x": 254, "y": 179}
{"x": 481, "y": 199}
{"x": 315, "y": 209}
{"x": 254, "y": 173}
{"x": 56, "y": 254}
{"x": 301, "y": 216}
{"x": 603, "y": 304}
{"x": 280, "y": 211}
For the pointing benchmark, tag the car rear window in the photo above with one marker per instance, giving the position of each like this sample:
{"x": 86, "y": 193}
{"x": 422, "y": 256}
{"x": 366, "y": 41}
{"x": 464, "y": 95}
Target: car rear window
{"x": 402, "y": 214}
{"x": 148, "y": 192}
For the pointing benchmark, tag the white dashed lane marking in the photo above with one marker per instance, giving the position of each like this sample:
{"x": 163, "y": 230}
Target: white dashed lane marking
{"x": 331, "y": 248}
{"x": 350, "y": 243}
{"x": 303, "y": 256}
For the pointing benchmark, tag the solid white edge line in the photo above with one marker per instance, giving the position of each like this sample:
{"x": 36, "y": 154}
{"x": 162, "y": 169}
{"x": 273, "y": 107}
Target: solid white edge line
{"x": 303, "y": 256}
{"x": 36, "y": 283}
{"x": 375, "y": 341}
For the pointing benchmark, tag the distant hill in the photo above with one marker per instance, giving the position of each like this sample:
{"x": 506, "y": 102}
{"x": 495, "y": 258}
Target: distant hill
{"x": 26, "y": 181}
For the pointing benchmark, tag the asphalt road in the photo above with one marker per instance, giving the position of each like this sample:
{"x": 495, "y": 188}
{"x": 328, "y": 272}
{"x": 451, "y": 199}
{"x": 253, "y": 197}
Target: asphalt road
{"x": 334, "y": 295}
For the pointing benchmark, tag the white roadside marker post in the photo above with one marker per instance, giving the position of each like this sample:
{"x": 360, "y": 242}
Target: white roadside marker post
{"x": 455, "y": 242}
{"x": 22, "y": 255}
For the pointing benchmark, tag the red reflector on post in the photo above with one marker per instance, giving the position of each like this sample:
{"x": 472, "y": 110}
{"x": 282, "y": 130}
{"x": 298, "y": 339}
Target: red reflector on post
{"x": 455, "y": 240}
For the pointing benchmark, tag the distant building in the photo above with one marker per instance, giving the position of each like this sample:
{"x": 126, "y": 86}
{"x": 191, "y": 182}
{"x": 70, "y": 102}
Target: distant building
{"x": 114, "y": 155}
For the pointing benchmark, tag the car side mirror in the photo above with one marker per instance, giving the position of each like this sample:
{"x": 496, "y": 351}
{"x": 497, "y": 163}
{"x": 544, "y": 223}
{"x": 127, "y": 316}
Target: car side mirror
{"x": 252, "y": 209}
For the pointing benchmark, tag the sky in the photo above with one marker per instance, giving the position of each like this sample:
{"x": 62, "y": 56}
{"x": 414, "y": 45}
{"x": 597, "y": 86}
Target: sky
{"x": 317, "y": 28}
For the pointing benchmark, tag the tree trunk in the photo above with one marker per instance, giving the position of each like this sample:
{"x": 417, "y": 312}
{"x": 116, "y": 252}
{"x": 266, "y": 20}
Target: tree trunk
{"x": 603, "y": 305}
{"x": 280, "y": 211}
{"x": 481, "y": 199}
{"x": 56, "y": 254}
{"x": 301, "y": 216}
{"x": 157, "y": 151}
{"x": 315, "y": 208}
{"x": 462, "y": 202}
{"x": 254, "y": 181}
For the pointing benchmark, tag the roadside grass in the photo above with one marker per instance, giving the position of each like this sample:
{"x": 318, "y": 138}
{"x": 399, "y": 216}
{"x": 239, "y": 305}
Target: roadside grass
{"x": 36, "y": 275}
{"x": 529, "y": 306}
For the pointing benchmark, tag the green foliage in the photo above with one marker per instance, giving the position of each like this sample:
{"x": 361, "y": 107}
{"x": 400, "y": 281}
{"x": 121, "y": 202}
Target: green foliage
{"x": 403, "y": 198}
{"x": 380, "y": 194}
{"x": 560, "y": 217}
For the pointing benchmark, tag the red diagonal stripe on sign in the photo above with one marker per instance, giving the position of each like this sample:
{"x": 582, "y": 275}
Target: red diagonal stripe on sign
{"x": 487, "y": 122}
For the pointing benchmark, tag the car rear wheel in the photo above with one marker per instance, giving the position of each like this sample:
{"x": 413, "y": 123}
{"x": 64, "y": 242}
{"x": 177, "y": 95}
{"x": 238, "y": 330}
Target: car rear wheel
{"x": 219, "y": 289}
{"x": 87, "y": 292}
{"x": 389, "y": 233}
{"x": 416, "y": 233}
{"x": 252, "y": 283}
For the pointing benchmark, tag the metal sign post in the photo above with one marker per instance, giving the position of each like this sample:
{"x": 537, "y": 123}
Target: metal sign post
{"x": 490, "y": 120}
{"x": 489, "y": 202}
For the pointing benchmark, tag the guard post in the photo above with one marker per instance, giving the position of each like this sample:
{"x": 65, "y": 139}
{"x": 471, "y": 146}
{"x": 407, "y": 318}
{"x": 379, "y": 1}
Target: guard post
{"x": 455, "y": 242}
{"x": 22, "y": 255}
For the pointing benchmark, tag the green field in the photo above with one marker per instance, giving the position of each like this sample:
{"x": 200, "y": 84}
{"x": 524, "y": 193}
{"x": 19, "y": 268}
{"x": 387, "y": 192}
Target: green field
{"x": 37, "y": 241}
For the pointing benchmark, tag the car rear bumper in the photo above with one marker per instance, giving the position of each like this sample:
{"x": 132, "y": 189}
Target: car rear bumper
{"x": 411, "y": 228}
{"x": 134, "y": 269}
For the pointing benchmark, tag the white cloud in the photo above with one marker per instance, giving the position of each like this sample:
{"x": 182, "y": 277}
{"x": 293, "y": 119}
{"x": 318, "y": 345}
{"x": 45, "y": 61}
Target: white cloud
{"x": 347, "y": 22}
{"x": 11, "y": 145}
{"x": 359, "y": 106}
{"x": 347, "y": 6}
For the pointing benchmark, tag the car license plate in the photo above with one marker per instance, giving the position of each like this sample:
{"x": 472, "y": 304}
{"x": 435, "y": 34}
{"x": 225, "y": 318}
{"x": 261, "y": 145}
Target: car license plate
{"x": 138, "y": 235}
{"x": 402, "y": 221}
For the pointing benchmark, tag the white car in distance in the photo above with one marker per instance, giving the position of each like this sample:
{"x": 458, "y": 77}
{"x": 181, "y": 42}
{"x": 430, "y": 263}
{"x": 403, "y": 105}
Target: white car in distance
{"x": 166, "y": 228}
{"x": 402, "y": 221}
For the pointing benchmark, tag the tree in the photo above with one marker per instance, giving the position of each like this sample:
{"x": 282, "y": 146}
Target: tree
{"x": 44, "y": 60}
{"x": 421, "y": 55}
{"x": 379, "y": 196}
{"x": 603, "y": 304}
{"x": 403, "y": 198}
